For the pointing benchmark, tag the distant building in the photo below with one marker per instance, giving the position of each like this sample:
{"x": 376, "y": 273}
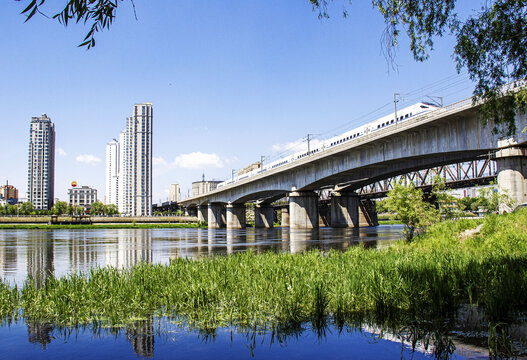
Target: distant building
{"x": 84, "y": 196}
{"x": 129, "y": 164}
{"x": 9, "y": 194}
{"x": 41, "y": 162}
{"x": 202, "y": 187}
{"x": 112, "y": 173}
{"x": 173, "y": 193}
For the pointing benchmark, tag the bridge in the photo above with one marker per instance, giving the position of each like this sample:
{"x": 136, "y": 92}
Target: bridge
{"x": 448, "y": 135}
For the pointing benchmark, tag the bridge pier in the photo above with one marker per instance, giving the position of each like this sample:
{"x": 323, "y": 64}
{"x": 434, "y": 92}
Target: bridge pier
{"x": 203, "y": 212}
{"x": 303, "y": 210}
{"x": 512, "y": 174}
{"x": 284, "y": 221}
{"x": 236, "y": 216}
{"x": 263, "y": 216}
{"x": 344, "y": 209}
{"x": 215, "y": 216}
{"x": 368, "y": 213}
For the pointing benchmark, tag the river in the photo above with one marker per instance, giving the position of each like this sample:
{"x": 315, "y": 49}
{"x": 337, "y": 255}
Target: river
{"x": 39, "y": 253}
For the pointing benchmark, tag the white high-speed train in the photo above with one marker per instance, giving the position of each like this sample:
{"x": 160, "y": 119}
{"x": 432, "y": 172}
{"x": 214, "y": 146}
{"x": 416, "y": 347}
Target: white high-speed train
{"x": 381, "y": 123}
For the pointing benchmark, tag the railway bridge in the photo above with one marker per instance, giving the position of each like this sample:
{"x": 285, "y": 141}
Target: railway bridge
{"x": 448, "y": 135}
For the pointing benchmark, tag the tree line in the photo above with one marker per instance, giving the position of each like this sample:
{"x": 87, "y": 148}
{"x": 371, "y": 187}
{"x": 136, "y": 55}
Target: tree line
{"x": 59, "y": 208}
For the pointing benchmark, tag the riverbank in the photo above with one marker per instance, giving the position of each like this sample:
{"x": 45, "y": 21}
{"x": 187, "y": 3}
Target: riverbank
{"x": 101, "y": 219}
{"x": 100, "y": 222}
{"x": 435, "y": 275}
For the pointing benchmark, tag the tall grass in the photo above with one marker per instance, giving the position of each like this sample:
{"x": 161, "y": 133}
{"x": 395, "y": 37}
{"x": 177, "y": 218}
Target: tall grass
{"x": 430, "y": 277}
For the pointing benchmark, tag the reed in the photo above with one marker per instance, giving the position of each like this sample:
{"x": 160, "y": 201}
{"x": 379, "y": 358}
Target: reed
{"x": 433, "y": 276}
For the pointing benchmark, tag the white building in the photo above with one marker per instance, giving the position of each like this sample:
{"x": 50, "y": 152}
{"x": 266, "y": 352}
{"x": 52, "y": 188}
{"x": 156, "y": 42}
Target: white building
{"x": 134, "y": 154}
{"x": 112, "y": 173}
{"x": 41, "y": 162}
{"x": 174, "y": 193}
{"x": 83, "y": 196}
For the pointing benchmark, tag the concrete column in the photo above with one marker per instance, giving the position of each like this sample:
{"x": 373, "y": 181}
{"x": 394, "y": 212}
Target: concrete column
{"x": 303, "y": 210}
{"x": 187, "y": 212}
{"x": 214, "y": 216}
{"x": 512, "y": 175}
{"x": 235, "y": 216}
{"x": 284, "y": 222}
{"x": 203, "y": 213}
{"x": 263, "y": 216}
{"x": 368, "y": 213}
{"x": 344, "y": 209}
{"x": 324, "y": 215}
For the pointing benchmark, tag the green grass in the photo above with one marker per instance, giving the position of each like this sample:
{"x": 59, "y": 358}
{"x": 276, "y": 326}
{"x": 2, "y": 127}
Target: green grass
{"x": 429, "y": 277}
{"x": 102, "y": 226}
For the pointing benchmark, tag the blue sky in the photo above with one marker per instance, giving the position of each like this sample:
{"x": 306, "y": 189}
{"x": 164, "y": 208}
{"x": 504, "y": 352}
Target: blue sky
{"x": 230, "y": 81}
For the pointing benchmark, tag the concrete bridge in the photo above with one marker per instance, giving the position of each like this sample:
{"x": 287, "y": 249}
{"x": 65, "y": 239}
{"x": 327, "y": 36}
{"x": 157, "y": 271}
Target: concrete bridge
{"x": 451, "y": 134}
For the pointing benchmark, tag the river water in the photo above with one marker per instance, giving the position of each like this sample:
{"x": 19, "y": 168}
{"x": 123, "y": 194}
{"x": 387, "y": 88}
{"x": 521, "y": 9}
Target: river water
{"x": 38, "y": 253}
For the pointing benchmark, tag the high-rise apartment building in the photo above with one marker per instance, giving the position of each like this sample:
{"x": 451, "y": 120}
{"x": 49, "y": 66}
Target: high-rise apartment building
{"x": 134, "y": 154}
{"x": 112, "y": 172}
{"x": 41, "y": 162}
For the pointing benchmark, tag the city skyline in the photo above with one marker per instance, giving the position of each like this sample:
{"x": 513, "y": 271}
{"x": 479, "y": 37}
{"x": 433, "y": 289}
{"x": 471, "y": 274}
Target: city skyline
{"x": 224, "y": 95}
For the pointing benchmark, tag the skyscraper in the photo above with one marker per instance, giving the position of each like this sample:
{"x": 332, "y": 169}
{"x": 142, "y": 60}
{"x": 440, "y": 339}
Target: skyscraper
{"x": 134, "y": 149}
{"x": 112, "y": 172}
{"x": 41, "y": 162}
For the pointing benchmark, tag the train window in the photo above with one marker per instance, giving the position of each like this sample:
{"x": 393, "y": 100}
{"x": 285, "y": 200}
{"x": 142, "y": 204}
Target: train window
{"x": 424, "y": 107}
{"x": 391, "y": 122}
{"x": 406, "y": 116}
{"x": 378, "y": 126}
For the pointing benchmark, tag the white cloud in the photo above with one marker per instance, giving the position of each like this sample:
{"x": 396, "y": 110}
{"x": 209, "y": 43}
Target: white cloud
{"x": 198, "y": 160}
{"x": 88, "y": 159}
{"x": 61, "y": 152}
{"x": 159, "y": 161}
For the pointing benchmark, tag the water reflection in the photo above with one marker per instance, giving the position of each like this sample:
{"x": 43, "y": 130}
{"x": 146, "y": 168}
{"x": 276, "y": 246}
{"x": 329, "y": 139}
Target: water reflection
{"x": 40, "y": 253}
{"x": 366, "y": 336}
{"x": 39, "y": 258}
{"x": 141, "y": 336}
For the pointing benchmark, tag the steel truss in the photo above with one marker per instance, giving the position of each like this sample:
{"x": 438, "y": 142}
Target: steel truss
{"x": 460, "y": 175}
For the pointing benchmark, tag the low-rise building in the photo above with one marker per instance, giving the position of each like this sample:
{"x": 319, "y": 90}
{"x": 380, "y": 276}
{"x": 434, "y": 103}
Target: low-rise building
{"x": 202, "y": 187}
{"x": 9, "y": 194}
{"x": 82, "y": 196}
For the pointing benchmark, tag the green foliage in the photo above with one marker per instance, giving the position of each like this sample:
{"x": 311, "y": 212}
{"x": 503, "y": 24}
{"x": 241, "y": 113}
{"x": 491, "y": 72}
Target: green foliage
{"x": 490, "y": 199}
{"x": 59, "y": 208}
{"x": 111, "y": 209}
{"x": 75, "y": 210}
{"x": 97, "y": 208}
{"x": 27, "y": 208}
{"x": 407, "y": 202}
{"x": 99, "y": 14}
{"x": 447, "y": 203}
{"x": 492, "y": 48}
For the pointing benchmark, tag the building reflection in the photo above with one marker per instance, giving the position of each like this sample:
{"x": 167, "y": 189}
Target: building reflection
{"x": 39, "y": 333}
{"x": 82, "y": 253}
{"x": 132, "y": 246}
{"x": 141, "y": 335}
{"x": 8, "y": 254}
{"x": 40, "y": 257}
